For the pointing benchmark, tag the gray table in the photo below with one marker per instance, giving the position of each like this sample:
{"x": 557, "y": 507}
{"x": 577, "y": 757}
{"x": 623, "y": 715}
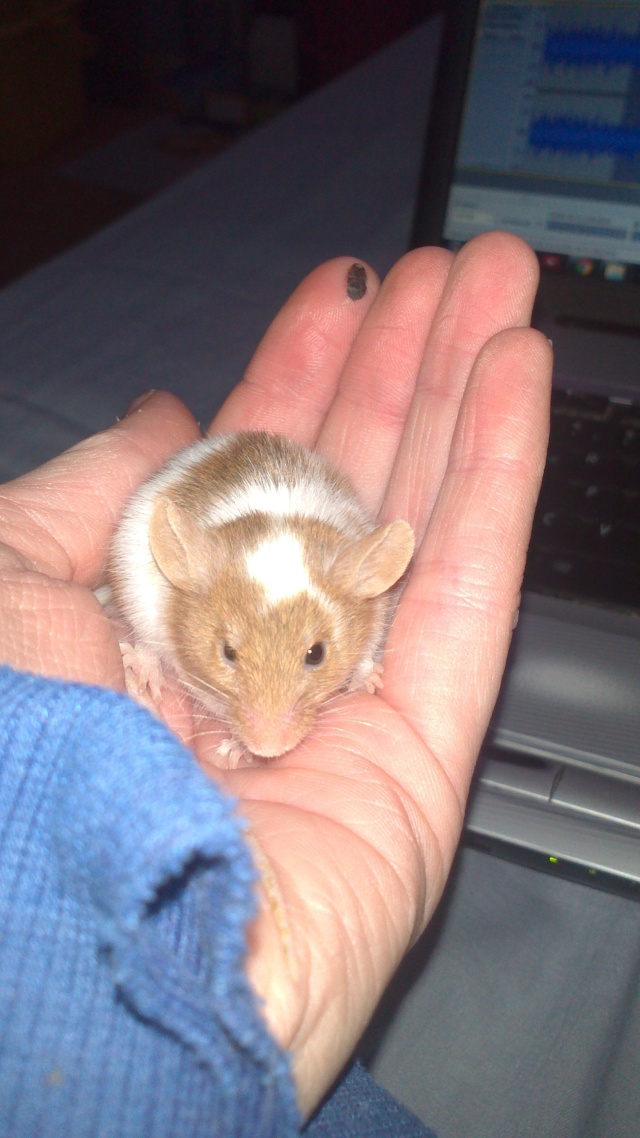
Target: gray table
{"x": 518, "y": 1014}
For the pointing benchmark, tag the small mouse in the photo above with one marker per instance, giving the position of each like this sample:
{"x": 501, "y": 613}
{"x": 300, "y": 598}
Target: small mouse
{"x": 248, "y": 568}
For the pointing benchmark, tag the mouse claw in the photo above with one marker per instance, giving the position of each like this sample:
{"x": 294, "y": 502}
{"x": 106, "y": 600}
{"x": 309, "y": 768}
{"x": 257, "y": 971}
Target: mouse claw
{"x": 143, "y": 675}
{"x": 369, "y": 677}
{"x": 373, "y": 682}
{"x": 231, "y": 750}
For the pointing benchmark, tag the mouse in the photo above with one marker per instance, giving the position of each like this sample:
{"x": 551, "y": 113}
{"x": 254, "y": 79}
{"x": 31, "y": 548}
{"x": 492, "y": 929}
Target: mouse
{"x": 247, "y": 567}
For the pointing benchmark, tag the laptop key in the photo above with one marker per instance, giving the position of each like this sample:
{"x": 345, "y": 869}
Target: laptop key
{"x": 586, "y": 534}
{"x": 580, "y": 403}
{"x": 584, "y": 578}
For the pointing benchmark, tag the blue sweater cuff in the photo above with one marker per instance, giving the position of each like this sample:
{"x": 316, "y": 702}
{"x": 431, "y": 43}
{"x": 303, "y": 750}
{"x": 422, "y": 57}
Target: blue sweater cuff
{"x": 125, "y": 892}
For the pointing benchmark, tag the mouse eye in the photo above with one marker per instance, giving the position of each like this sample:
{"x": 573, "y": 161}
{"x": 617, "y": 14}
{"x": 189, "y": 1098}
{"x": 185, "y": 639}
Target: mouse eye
{"x": 315, "y": 654}
{"x": 229, "y": 653}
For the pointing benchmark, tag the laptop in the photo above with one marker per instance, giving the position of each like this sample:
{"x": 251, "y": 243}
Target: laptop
{"x": 535, "y": 129}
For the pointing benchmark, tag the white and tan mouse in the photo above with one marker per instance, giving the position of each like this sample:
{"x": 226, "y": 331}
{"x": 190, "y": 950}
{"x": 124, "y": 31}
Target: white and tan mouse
{"x": 248, "y": 568}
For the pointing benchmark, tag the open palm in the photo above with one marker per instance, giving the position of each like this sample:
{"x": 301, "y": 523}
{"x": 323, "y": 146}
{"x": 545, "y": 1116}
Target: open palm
{"x": 431, "y": 393}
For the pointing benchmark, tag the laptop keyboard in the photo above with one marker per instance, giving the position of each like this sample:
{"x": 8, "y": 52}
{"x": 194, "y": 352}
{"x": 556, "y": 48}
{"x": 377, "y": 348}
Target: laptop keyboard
{"x": 586, "y": 534}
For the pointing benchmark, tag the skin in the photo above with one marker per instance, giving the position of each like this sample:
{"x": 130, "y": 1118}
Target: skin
{"x": 432, "y": 394}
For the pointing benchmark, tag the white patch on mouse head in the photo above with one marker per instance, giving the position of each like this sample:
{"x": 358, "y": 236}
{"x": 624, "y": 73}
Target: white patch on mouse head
{"x": 277, "y": 564}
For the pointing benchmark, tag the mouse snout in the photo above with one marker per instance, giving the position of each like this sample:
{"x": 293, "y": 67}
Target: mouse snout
{"x": 269, "y": 734}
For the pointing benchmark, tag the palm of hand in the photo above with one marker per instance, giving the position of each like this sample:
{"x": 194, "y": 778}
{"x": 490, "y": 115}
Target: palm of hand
{"x": 353, "y": 831}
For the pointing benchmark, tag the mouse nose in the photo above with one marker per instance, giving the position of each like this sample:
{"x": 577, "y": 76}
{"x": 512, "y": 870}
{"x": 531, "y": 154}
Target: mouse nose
{"x": 268, "y": 736}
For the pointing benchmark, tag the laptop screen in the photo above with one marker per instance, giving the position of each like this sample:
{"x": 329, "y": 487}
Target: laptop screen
{"x": 549, "y": 146}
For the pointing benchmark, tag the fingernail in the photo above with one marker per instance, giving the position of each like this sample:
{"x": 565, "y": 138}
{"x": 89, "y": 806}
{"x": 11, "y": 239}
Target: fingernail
{"x": 138, "y": 401}
{"x": 356, "y": 282}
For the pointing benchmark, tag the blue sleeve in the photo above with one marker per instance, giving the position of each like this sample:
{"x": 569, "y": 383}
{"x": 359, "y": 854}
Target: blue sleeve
{"x": 125, "y": 891}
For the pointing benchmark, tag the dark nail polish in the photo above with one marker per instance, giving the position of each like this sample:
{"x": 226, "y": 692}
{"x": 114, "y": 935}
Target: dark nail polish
{"x": 356, "y": 282}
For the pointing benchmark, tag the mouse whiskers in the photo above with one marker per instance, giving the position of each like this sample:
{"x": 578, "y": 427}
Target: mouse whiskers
{"x": 200, "y": 689}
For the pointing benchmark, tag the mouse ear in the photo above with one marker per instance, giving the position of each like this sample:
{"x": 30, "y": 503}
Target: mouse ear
{"x": 373, "y": 563}
{"x": 183, "y": 552}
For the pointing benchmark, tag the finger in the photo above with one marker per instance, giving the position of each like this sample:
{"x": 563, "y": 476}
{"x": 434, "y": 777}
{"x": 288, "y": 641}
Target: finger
{"x": 448, "y": 644}
{"x": 61, "y": 516}
{"x": 292, "y": 378}
{"x": 366, "y": 420}
{"x": 491, "y": 287}
{"x": 56, "y": 629}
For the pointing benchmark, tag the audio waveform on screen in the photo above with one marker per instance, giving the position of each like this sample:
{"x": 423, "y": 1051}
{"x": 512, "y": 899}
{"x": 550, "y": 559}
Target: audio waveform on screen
{"x": 575, "y": 135}
{"x": 591, "y": 47}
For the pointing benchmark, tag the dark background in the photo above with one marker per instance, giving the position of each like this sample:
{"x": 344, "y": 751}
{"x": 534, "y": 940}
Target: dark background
{"x": 76, "y": 76}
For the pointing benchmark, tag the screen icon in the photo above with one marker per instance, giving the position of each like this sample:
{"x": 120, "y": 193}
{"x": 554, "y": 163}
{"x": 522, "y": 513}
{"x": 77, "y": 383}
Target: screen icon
{"x": 615, "y": 271}
{"x": 583, "y": 266}
{"x": 551, "y": 262}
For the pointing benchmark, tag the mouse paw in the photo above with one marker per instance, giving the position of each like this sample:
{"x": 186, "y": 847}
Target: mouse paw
{"x": 373, "y": 682}
{"x": 143, "y": 675}
{"x": 231, "y": 750}
{"x": 369, "y": 677}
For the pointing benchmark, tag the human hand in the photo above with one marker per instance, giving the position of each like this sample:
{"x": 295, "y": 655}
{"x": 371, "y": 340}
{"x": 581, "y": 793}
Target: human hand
{"x": 432, "y": 395}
